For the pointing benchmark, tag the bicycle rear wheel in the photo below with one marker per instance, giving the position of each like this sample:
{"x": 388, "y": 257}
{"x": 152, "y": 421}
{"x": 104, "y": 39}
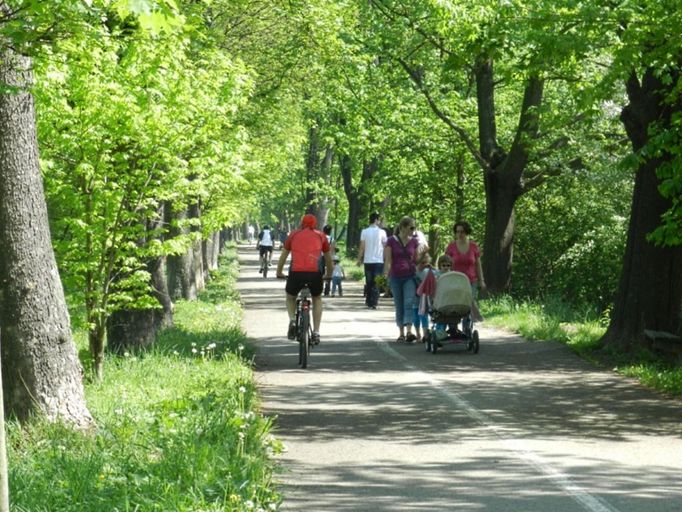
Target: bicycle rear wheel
{"x": 265, "y": 268}
{"x": 303, "y": 340}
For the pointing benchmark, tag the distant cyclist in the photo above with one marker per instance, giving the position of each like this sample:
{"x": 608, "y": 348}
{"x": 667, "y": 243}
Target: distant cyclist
{"x": 265, "y": 244}
{"x": 305, "y": 245}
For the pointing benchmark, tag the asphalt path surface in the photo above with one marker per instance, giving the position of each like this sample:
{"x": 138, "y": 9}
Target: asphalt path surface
{"x": 373, "y": 425}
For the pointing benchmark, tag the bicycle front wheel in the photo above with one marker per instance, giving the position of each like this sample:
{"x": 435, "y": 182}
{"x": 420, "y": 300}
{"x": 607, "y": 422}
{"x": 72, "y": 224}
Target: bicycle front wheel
{"x": 304, "y": 341}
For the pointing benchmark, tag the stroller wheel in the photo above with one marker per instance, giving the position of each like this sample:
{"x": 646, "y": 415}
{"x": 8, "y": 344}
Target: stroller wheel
{"x": 474, "y": 342}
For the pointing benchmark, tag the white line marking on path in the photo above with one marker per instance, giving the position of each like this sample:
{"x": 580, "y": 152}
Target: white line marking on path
{"x": 517, "y": 446}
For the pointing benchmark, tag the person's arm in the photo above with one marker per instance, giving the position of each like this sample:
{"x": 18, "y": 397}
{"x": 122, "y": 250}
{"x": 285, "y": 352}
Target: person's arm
{"x": 479, "y": 273}
{"x": 280, "y": 263}
{"x": 329, "y": 264}
{"x": 388, "y": 259}
{"x": 361, "y": 252}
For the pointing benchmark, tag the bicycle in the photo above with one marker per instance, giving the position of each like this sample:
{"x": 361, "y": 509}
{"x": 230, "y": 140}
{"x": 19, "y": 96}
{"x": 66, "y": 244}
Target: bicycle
{"x": 265, "y": 262}
{"x": 304, "y": 328}
{"x": 303, "y": 325}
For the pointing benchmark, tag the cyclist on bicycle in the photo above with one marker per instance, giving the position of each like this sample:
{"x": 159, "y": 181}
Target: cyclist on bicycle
{"x": 265, "y": 243}
{"x": 305, "y": 245}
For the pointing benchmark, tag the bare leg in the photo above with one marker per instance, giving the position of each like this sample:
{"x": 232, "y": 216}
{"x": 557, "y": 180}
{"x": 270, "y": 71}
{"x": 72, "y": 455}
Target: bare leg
{"x": 317, "y": 313}
{"x": 291, "y": 307}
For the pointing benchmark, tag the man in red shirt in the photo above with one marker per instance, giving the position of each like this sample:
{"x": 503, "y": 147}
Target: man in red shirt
{"x": 305, "y": 245}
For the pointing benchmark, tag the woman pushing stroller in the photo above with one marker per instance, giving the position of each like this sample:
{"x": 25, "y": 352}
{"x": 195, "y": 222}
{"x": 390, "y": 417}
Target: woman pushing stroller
{"x": 466, "y": 258}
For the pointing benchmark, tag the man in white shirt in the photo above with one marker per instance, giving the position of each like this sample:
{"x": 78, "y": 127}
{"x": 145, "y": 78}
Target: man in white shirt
{"x": 265, "y": 245}
{"x": 371, "y": 254}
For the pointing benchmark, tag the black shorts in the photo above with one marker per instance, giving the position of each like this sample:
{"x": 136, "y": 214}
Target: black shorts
{"x": 264, "y": 249}
{"x": 297, "y": 280}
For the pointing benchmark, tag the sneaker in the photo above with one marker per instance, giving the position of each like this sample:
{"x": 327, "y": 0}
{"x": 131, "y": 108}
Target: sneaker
{"x": 260, "y": 270}
{"x": 291, "y": 333}
{"x": 410, "y": 337}
{"x": 316, "y": 338}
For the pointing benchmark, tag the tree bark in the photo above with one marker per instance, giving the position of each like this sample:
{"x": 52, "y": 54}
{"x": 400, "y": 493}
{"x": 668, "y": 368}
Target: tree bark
{"x": 650, "y": 290}
{"x": 181, "y": 281}
{"x": 198, "y": 271}
{"x": 354, "y": 205}
{"x": 210, "y": 250}
{"x": 4, "y": 474}
{"x": 40, "y": 367}
{"x": 358, "y": 209}
{"x": 131, "y": 329}
{"x": 157, "y": 270}
{"x": 503, "y": 174}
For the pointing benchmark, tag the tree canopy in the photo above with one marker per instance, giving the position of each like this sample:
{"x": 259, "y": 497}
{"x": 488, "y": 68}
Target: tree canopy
{"x": 163, "y": 123}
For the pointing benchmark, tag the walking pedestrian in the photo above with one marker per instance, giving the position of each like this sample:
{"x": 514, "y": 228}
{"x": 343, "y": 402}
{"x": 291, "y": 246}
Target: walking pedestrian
{"x": 371, "y": 254}
{"x": 401, "y": 253}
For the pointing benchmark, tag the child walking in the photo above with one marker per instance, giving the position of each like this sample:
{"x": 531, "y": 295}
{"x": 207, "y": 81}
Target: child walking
{"x": 421, "y": 321}
{"x": 338, "y": 275}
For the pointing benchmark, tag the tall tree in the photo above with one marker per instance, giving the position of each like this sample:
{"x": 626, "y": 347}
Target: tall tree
{"x": 650, "y": 292}
{"x": 502, "y": 58}
{"x": 40, "y": 367}
{"x": 4, "y": 474}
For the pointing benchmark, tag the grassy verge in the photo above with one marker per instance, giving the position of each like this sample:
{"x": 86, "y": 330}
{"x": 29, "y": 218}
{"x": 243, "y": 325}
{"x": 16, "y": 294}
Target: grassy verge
{"x": 582, "y": 332}
{"x": 178, "y": 427}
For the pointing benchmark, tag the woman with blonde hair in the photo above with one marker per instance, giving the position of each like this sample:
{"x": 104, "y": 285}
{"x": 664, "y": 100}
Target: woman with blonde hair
{"x": 401, "y": 254}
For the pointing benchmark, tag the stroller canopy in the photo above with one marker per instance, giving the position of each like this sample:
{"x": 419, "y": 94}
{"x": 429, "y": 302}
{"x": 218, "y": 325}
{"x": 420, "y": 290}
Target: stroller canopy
{"x": 453, "y": 294}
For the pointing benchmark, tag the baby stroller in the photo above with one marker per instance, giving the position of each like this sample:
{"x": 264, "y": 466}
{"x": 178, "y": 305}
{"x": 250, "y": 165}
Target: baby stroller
{"x": 451, "y": 303}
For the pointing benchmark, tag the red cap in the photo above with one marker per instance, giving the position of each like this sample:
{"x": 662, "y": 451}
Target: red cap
{"x": 309, "y": 221}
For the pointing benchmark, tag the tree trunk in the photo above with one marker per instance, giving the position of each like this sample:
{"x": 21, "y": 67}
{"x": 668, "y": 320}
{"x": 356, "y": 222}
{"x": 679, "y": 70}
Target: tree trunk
{"x": 157, "y": 270}
{"x": 4, "y": 474}
{"x": 321, "y": 205}
{"x": 498, "y": 244}
{"x": 354, "y": 206}
{"x": 650, "y": 290}
{"x": 40, "y": 367}
{"x": 96, "y": 340}
{"x": 197, "y": 256}
{"x": 181, "y": 281}
{"x": 132, "y": 329}
{"x": 312, "y": 164}
{"x": 503, "y": 174}
{"x": 214, "y": 250}
{"x": 225, "y": 237}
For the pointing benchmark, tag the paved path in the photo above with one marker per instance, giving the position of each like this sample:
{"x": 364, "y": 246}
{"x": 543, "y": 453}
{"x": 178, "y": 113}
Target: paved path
{"x": 372, "y": 425}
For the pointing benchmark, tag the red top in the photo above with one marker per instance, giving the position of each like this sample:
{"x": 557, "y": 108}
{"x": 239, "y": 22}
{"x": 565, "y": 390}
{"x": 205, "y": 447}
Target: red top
{"x": 464, "y": 262}
{"x": 305, "y": 246}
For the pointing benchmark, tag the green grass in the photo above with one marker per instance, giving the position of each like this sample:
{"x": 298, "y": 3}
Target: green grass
{"x": 582, "y": 331}
{"x": 178, "y": 427}
{"x": 353, "y": 271}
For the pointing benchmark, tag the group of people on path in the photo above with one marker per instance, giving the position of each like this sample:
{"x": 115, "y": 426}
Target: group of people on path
{"x": 402, "y": 259}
